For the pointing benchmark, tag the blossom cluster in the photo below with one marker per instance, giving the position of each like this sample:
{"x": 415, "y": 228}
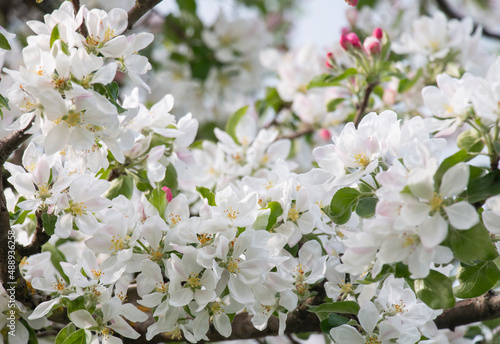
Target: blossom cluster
{"x": 365, "y": 204}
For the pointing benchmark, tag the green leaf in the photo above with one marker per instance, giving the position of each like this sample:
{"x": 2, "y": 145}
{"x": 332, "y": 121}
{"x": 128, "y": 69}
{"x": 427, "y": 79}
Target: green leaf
{"x": 480, "y": 189}
{"x": 406, "y": 84}
{"x": 79, "y": 337}
{"x": 473, "y": 245}
{"x": 471, "y": 141}
{"x": 54, "y": 35}
{"x": 342, "y": 204}
{"x": 449, "y": 162}
{"x": 56, "y": 257}
{"x": 344, "y": 307}
{"x": 187, "y": 5}
{"x": 276, "y": 211}
{"x": 366, "y": 207}
{"x": 206, "y": 193}
{"x": 123, "y": 185}
{"x": 233, "y": 122}
{"x": 476, "y": 280}
{"x": 158, "y": 198}
{"x": 435, "y": 290}
{"x": 49, "y": 223}
{"x": 113, "y": 89}
{"x": 64, "y": 333}
{"x": 327, "y": 80}
{"x": 332, "y": 321}
{"x": 4, "y": 43}
{"x": 170, "y": 179}
{"x": 332, "y": 104}
{"x": 74, "y": 305}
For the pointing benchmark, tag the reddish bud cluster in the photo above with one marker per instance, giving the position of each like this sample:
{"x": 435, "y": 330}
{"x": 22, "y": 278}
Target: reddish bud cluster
{"x": 352, "y": 2}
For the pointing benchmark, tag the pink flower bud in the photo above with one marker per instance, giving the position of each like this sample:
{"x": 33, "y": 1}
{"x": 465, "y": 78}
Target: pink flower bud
{"x": 352, "y": 2}
{"x": 345, "y": 31}
{"x": 350, "y": 40}
{"x": 325, "y": 134}
{"x": 329, "y": 59}
{"x": 378, "y": 33}
{"x": 168, "y": 193}
{"x": 372, "y": 46}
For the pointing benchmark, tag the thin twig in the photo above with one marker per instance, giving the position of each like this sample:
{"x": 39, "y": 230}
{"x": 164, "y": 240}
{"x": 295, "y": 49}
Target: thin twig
{"x": 139, "y": 9}
{"x": 443, "y": 6}
{"x": 83, "y": 28}
{"x": 297, "y": 134}
{"x": 362, "y": 107}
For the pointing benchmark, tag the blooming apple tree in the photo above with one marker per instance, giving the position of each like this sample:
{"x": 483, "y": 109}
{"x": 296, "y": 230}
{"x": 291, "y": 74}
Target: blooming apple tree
{"x": 357, "y": 195}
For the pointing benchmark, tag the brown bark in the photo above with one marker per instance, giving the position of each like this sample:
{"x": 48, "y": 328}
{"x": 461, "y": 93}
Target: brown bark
{"x": 139, "y": 9}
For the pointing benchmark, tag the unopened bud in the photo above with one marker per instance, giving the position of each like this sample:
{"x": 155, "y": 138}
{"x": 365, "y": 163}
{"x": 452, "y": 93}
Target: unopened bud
{"x": 329, "y": 59}
{"x": 325, "y": 134}
{"x": 350, "y": 40}
{"x": 168, "y": 193}
{"x": 352, "y": 2}
{"x": 372, "y": 46}
{"x": 378, "y": 33}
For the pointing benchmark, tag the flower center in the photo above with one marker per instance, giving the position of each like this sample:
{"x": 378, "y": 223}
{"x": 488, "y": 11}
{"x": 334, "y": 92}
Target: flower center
{"x": 194, "y": 280}
{"x": 231, "y": 214}
{"x": 361, "y": 159}
{"x": 232, "y": 265}
{"x": 436, "y": 202}
{"x": 293, "y": 213}
{"x": 59, "y": 285}
{"x": 204, "y": 239}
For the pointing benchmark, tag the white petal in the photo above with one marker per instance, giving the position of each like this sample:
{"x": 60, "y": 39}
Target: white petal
{"x": 82, "y": 319}
{"x": 43, "y": 309}
{"x": 433, "y": 231}
{"x": 454, "y": 180}
{"x": 346, "y": 334}
{"x": 462, "y": 215}
{"x": 368, "y": 317}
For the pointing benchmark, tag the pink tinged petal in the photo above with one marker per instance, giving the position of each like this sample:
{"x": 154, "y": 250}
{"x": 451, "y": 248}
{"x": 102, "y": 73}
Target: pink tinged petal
{"x": 41, "y": 174}
{"x": 368, "y": 317}
{"x": 43, "y": 309}
{"x": 64, "y": 225}
{"x": 24, "y": 183}
{"x": 462, "y": 215}
{"x": 346, "y": 334}
{"x": 433, "y": 231}
{"x": 222, "y": 324}
{"x": 82, "y": 319}
{"x": 182, "y": 297}
{"x": 414, "y": 213}
{"x": 455, "y": 180}
{"x": 57, "y": 138}
{"x": 492, "y": 222}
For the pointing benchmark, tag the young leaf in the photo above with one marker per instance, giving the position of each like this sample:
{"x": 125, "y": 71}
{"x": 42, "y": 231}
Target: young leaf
{"x": 435, "y": 290}
{"x": 476, "y": 280}
{"x": 4, "y": 43}
{"x": 342, "y": 204}
{"x": 344, "y": 307}
{"x": 471, "y": 141}
{"x": 233, "y": 122}
{"x": 54, "y": 35}
{"x": 206, "y": 193}
{"x": 49, "y": 223}
{"x": 276, "y": 211}
{"x": 159, "y": 200}
{"x": 366, "y": 207}
{"x": 123, "y": 185}
{"x": 64, "y": 333}
{"x": 332, "y": 321}
{"x": 79, "y": 337}
{"x": 449, "y": 162}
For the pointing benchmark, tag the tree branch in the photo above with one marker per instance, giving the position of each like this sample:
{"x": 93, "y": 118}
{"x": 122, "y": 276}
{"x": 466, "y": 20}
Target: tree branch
{"x": 82, "y": 28}
{"x": 140, "y": 8}
{"x": 465, "y": 312}
{"x": 443, "y": 6}
{"x": 362, "y": 107}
